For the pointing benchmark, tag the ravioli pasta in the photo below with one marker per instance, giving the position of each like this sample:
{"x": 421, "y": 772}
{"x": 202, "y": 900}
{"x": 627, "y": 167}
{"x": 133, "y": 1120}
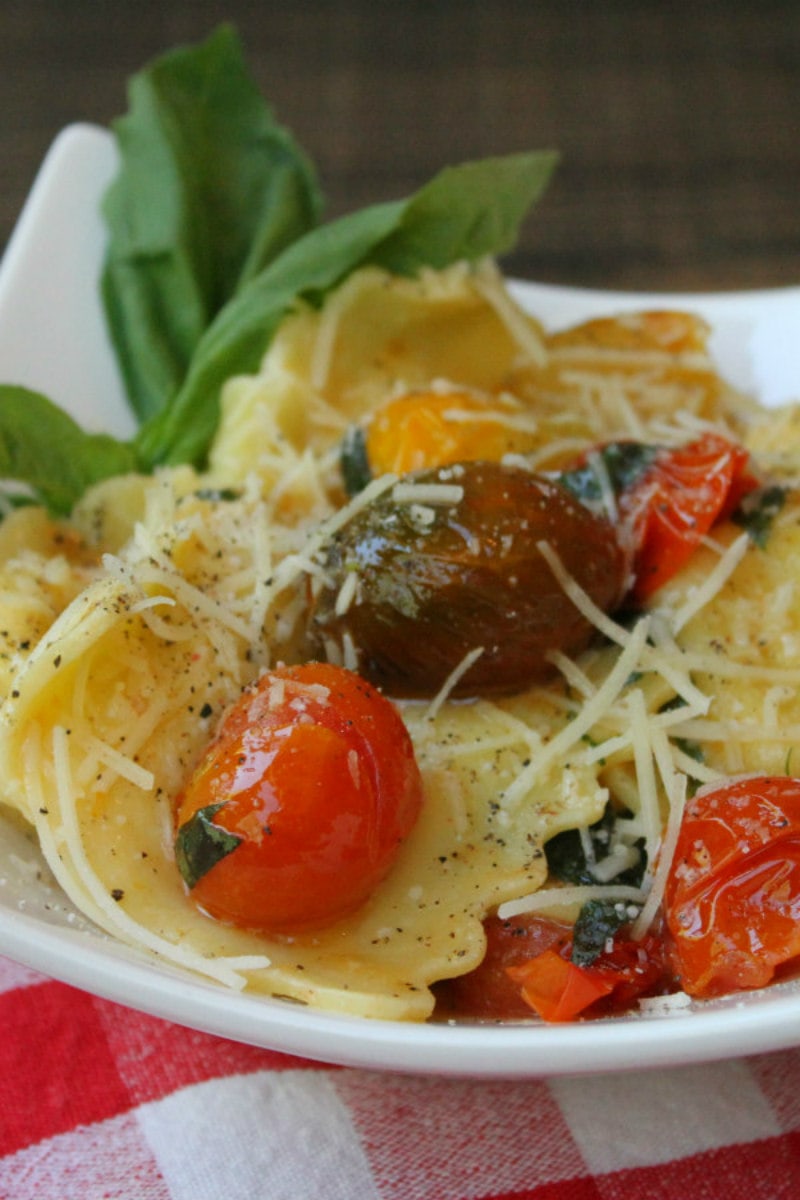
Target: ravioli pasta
{"x": 128, "y": 631}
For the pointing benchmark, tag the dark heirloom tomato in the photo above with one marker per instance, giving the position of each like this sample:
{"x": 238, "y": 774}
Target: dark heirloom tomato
{"x": 300, "y": 805}
{"x": 436, "y": 579}
{"x": 733, "y": 897}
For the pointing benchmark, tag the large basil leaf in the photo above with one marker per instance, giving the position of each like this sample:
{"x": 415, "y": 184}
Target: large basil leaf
{"x": 213, "y": 238}
{"x": 210, "y": 189}
{"x": 42, "y": 447}
{"x": 465, "y": 212}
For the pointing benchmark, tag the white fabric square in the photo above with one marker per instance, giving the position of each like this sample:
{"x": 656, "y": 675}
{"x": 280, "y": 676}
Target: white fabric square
{"x": 280, "y": 1135}
{"x": 641, "y": 1119}
{"x": 106, "y": 1161}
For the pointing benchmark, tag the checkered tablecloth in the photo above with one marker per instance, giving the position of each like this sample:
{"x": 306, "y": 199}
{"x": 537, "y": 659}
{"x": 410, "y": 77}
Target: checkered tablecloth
{"x": 97, "y": 1101}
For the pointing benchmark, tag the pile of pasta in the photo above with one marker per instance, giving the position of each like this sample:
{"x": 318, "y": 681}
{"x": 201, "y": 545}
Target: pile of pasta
{"x": 128, "y": 631}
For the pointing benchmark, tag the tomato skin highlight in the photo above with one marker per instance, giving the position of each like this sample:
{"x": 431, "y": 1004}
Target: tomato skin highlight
{"x": 732, "y": 900}
{"x": 314, "y": 771}
{"x": 685, "y": 491}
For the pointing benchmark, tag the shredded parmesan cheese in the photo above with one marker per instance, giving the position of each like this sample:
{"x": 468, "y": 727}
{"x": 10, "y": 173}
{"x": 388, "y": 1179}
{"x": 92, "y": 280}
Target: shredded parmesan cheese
{"x": 569, "y": 898}
{"x": 664, "y": 862}
{"x": 452, "y": 680}
{"x": 713, "y": 582}
{"x": 444, "y": 494}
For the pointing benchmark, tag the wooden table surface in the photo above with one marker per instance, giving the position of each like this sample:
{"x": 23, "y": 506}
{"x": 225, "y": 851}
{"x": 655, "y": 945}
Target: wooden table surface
{"x": 678, "y": 123}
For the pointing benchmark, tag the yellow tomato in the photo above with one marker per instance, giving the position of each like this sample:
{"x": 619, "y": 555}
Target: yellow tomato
{"x": 433, "y": 428}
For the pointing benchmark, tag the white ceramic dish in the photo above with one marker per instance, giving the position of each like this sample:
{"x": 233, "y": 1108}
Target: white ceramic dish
{"x": 52, "y": 338}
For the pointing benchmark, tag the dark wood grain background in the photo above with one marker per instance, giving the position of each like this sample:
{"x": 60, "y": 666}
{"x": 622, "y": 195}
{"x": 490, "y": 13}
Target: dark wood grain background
{"x": 678, "y": 123}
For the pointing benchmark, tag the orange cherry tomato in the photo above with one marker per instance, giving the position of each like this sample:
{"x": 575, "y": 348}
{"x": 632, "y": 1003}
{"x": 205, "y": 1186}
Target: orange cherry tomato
{"x": 677, "y": 500}
{"x": 299, "y": 807}
{"x": 732, "y": 900}
{"x": 433, "y": 429}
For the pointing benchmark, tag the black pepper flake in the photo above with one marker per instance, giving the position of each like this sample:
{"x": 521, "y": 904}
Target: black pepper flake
{"x": 57, "y": 661}
{"x": 206, "y": 710}
{"x": 117, "y": 894}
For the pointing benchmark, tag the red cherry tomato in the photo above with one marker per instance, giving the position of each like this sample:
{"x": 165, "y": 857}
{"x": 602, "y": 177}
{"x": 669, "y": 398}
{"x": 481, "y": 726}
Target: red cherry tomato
{"x": 527, "y": 966}
{"x": 488, "y": 992}
{"x": 732, "y": 900}
{"x": 677, "y": 500}
{"x": 299, "y": 807}
{"x": 559, "y": 990}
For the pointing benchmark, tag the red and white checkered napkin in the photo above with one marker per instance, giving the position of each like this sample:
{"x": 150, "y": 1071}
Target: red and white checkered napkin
{"x": 98, "y": 1101}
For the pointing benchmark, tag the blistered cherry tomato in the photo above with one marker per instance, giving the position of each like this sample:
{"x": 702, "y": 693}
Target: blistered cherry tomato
{"x": 488, "y": 992}
{"x": 733, "y": 897}
{"x": 560, "y": 990}
{"x": 527, "y": 968}
{"x": 299, "y": 807}
{"x": 677, "y": 500}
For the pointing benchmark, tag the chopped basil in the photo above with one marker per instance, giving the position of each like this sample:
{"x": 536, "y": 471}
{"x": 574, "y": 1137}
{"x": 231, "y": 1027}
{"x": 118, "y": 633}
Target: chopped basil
{"x": 623, "y": 464}
{"x": 598, "y": 921}
{"x": 353, "y": 460}
{"x": 201, "y": 844}
{"x": 566, "y": 858}
{"x": 758, "y": 509}
{"x": 217, "y": 495}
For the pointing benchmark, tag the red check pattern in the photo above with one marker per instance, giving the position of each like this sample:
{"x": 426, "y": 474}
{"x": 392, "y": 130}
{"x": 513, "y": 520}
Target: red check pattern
{"x": 97, "y": 1101}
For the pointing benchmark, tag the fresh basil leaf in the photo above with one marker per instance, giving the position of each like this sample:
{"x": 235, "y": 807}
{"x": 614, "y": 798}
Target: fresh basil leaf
{"x": 200, "y": 844}
{"x": 210, "y": 189}
{"x": 42, "y": 447}
{"x": 597, "y": 921}
{"x": 465, "y": 212}
{"x": 757, "y": 511}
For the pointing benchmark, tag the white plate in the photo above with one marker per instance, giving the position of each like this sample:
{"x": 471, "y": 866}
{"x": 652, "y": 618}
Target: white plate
{"x": 52, "y": 338}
